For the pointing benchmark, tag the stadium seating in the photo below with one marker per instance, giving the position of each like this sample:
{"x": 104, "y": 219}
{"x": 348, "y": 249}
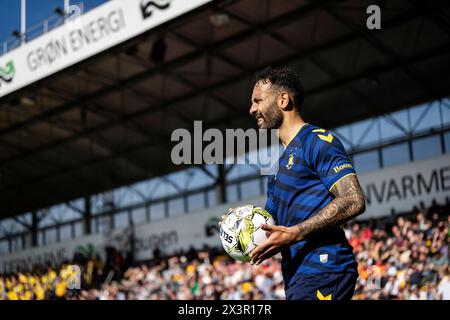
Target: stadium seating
{"x": 400, "y": 257}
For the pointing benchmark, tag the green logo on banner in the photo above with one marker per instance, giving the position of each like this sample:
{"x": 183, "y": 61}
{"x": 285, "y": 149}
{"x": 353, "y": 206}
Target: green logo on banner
{"x": 7, "y": 73}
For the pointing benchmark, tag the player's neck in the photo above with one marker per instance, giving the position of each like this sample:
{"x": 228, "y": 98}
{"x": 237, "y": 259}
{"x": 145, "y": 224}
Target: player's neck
{"x": 291, "y": 125}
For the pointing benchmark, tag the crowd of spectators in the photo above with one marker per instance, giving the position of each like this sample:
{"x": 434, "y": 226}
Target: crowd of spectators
{"x": 403, "y": 257}
{"x": 200, "y": 278}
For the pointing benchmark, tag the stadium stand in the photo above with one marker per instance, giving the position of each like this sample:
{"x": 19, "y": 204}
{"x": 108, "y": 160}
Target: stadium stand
{"x": 403, "y": 256}
{"x": 84, "y": 150}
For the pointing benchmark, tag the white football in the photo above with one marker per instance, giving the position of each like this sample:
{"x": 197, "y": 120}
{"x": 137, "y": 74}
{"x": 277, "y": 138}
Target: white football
{"x": 240, "y": 231}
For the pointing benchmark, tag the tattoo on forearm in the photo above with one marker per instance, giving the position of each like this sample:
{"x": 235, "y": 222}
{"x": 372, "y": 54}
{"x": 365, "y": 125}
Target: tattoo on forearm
{"x": 348, "y": 202}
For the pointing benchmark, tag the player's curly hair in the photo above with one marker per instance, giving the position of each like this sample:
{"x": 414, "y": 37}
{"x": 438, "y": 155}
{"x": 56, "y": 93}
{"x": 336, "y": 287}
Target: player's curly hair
{"x": 282, "y": 78}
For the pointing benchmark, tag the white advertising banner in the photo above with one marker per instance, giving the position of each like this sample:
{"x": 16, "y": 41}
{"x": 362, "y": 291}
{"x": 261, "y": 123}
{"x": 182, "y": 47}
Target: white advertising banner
{"x": 55, "y": 253}
{"x": 98, "y": 30}
{"x": 168, "y": 235}
{"x": 405, "y": 186}
{"x": 399, "y": 188}
{"x": 195, "y": 229}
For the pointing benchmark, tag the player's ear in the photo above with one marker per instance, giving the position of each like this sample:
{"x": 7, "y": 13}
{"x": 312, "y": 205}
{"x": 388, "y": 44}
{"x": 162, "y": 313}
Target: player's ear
{"x": 284, "y": 101}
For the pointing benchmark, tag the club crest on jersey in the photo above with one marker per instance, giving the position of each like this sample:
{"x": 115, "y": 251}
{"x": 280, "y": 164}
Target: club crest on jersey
{"x": 323, "y": 258}
{"x": 290, "y": 160}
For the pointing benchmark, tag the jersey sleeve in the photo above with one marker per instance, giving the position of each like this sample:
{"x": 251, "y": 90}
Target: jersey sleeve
{"x": 328, "y": 158}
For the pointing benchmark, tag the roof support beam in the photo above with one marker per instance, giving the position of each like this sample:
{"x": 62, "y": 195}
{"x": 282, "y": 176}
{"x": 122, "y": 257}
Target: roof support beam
{"x": 304, "y": 54}
{"x": 281, "y": 20}
{"x": 318, "y": 90}
{"x": 382, "y": 48}
{"x": 439, "y": 18}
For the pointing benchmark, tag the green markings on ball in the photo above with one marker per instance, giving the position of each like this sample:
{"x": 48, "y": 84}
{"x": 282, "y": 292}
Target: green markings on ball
{"x": 262, "y": 212}
{"x": 242, "y": 233}
{"x": 245, "y": 235}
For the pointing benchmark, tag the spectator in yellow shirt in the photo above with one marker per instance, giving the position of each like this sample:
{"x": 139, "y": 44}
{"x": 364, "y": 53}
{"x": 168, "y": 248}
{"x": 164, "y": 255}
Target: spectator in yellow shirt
{"x": 60, "y": 288}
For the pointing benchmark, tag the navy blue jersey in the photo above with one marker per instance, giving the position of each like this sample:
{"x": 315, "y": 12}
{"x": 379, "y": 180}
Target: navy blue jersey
{"x": 312, "y": 163}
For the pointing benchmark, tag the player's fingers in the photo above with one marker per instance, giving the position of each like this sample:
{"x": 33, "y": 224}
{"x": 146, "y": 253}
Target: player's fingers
{"x": 273, "y": 250}
{"x": 266, "y": 227}
{"x": 269, "y": 252}
{"x": 263, "y": 256}
{"x": 256, "y": 252}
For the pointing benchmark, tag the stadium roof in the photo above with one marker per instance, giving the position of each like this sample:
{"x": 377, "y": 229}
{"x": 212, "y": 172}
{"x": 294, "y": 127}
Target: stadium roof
{"x": 107, "y": 121}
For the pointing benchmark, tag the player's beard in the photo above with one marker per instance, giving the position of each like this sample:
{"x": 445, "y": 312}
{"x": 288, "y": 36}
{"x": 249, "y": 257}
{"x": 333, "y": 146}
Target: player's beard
{"x": 271, "y": 119}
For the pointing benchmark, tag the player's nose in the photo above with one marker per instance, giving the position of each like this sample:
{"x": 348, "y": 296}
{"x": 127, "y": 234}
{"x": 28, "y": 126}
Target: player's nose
{"x": 253, "y": 109}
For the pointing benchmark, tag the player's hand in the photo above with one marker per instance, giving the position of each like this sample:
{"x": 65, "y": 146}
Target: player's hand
{"x": 279, "y": 237}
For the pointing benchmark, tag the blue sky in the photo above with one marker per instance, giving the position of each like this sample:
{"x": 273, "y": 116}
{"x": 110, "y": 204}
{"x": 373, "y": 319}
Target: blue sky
{"x": 37, "y": 11}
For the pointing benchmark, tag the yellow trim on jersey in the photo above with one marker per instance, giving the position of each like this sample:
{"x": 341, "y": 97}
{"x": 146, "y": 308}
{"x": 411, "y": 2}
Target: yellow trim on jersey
{"x": 320, "y": 296}
{"x": 319, "y": 130}
{"x": 348, "y": 174}
{"x": 301, "y": 127}
{"x": 328, "y": 138}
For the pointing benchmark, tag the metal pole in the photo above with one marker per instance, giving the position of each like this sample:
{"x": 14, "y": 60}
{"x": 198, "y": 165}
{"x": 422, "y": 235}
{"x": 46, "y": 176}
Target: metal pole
{"x": 23, "y": 21}
{"x": 66, "y": 8}
{"x": 34, "y": 229}
{"x": 221, "y": 189}
{"x": 87, "y": 217}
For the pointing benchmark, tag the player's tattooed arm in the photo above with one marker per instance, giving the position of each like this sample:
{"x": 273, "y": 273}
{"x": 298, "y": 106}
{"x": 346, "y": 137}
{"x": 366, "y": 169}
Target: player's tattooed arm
{"x": 348, "y": 203}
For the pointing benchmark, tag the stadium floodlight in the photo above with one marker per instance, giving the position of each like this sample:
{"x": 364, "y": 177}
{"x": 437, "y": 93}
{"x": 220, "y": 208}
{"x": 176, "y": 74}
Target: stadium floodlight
{"x": 28, "y": 101}
{"x": 219, "y": 19}
{"x": 159, "y": 50}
